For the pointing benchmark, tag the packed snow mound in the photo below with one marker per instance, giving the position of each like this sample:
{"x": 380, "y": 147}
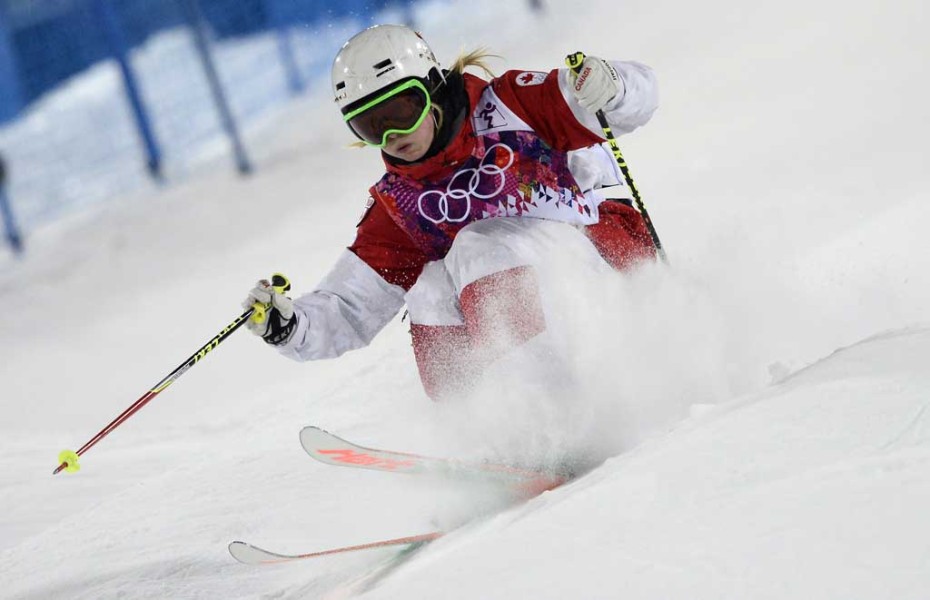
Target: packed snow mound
{"x": 811, "y": 489}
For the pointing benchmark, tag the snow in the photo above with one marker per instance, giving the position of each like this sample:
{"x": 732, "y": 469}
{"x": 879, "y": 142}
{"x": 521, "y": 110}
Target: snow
{"x": 760, "y": 404}
{"x": 812, "y": 488}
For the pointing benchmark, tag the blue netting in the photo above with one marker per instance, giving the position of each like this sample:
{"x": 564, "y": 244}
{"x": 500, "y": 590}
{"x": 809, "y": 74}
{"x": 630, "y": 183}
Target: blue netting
{"x": 52, "y": 40}
{"x": 71, "y": 138}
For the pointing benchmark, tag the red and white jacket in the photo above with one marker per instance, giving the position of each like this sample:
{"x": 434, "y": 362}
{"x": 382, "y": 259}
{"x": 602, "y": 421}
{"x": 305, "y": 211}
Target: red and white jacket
{"x": 527, "y": 150}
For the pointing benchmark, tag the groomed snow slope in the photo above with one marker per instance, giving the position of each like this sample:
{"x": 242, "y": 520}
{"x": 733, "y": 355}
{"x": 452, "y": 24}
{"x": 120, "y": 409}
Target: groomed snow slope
{"x": 813, "y": 488}
{"x": 785, "y": 172}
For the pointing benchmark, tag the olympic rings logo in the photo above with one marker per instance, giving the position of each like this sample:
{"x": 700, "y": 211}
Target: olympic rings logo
{"x": 454, "y": 204}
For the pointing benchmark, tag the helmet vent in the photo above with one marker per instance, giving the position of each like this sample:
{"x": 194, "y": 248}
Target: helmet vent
{"x": 383, "y": 63}
{"x": 341, "y": 85}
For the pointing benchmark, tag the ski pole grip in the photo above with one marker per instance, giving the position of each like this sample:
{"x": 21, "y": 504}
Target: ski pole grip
{"x": 280, "y": 284}
{"x": 574, "y": 61}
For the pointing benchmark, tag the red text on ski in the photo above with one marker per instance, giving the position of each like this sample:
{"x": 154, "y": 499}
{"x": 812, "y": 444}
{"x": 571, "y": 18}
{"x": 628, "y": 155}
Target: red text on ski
{"x": 353, "y": 457}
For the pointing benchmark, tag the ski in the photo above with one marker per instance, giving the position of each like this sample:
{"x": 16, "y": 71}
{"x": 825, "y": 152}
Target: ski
{"x": 253, "y": 555}
{"x": 333, "y": 450}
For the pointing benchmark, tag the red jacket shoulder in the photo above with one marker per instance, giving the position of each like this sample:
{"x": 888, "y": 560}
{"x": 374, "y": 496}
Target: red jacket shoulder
{"x": 536, "y": 97}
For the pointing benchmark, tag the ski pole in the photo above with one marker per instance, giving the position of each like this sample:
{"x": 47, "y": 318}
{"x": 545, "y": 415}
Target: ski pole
{"x": 68, "y": 459}
{"x": 574, "y": 62}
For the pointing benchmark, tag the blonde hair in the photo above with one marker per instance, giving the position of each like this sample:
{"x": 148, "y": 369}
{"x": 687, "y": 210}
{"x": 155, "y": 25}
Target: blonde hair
{"x": 474, "y": 58}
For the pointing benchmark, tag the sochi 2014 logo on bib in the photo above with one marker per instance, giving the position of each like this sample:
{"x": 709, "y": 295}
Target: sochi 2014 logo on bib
{"x": 528, "y": 78}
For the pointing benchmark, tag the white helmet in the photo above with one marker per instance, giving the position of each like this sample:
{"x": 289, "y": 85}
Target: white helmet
{"x": 378, "y": 57}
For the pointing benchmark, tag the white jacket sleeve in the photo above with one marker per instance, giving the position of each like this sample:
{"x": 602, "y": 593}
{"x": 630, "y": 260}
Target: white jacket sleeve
{"x": 628, "y": 110}
{"x": 346, "y": 310}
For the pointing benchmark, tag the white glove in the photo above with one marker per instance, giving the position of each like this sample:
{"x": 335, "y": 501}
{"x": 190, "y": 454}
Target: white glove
{"x": 275, "y": 322}
{"x": 597, "y": 84}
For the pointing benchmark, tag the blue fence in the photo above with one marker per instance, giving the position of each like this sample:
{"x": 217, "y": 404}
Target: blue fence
{"x": 63, "y": 154}
{"x": 43, "y": 42}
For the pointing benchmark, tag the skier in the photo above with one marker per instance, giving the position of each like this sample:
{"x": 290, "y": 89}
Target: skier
{"x": 484, "y": 180}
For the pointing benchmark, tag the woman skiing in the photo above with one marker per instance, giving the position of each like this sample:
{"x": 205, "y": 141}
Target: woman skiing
{"x": 486, "y": 182}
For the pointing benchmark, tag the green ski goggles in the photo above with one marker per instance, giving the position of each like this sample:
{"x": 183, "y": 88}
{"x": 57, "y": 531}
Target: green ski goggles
{"x": 398, "y": 111}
